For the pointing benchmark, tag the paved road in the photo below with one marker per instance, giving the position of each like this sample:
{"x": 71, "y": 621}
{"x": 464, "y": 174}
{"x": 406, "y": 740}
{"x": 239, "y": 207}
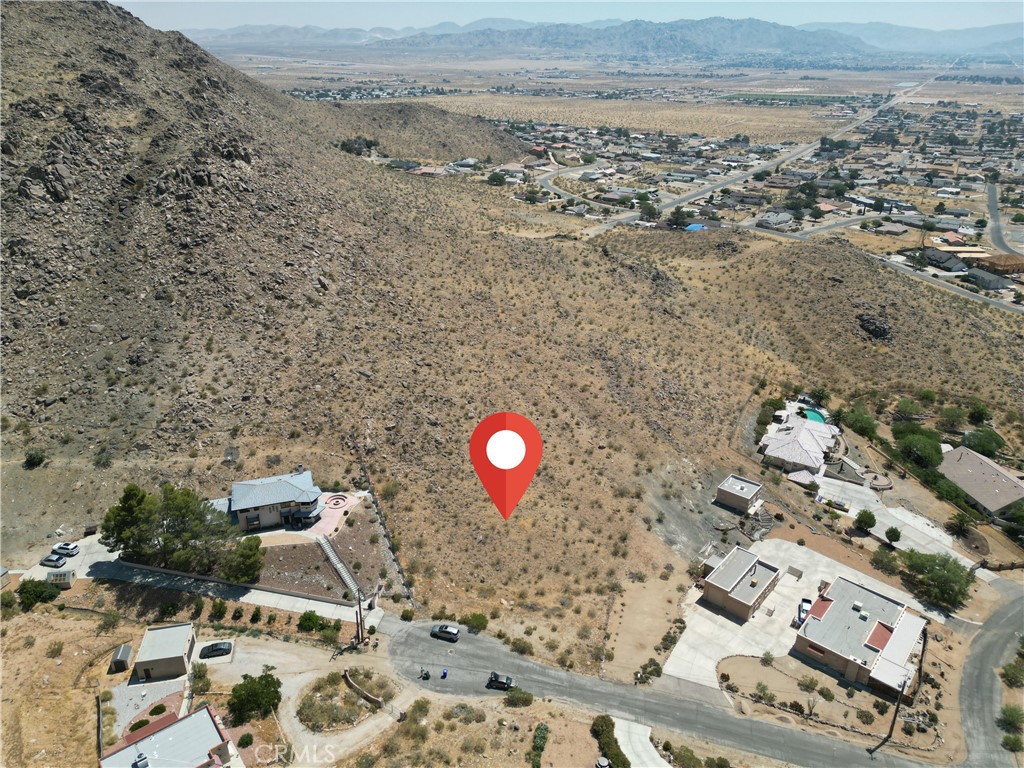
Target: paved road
{"x": 995, "y": 222}
{"x": 545, "y": 181}
{"x": 697, "y": 711}
{"x": 980, "y": 689}
{"x": 950, "y": 286}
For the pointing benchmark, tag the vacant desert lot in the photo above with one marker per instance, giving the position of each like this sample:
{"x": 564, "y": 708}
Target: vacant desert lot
{"x": 761, "y": 124}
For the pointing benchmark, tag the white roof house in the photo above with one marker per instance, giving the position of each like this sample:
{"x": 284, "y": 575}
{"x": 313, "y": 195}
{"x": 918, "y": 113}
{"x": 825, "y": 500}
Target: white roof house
{"x": 798, "y": 443}
{"x": 194, "y": 741}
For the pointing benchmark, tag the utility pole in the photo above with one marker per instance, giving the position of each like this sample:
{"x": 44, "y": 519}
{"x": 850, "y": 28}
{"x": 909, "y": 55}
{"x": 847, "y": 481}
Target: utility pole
{"x": 896, "y": 710}
{"x": 360, "y": 630}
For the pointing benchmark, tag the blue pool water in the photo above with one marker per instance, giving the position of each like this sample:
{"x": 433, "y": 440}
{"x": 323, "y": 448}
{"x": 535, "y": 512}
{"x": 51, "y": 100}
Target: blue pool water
{"x": 813, "y": 415}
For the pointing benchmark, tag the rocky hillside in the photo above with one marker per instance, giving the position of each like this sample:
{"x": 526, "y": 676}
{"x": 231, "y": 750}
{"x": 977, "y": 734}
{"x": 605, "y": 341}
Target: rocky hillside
{"x": 197, "y": 286}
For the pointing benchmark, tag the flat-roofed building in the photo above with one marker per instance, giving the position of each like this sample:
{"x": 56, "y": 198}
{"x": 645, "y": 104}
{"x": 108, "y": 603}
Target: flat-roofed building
{"x": 988, "y": 487}
{"x": 863, "y": 636}
{"x": 194, "y": 741}
{"x": 738, "y": 493}
{"x": 739, "y": 582}
{"x": 165, "y": 652}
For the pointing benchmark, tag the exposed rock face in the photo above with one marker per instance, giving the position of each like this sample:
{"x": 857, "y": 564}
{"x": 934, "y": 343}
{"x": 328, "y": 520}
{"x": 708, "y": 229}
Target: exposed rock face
{"x": 876, "y": 327}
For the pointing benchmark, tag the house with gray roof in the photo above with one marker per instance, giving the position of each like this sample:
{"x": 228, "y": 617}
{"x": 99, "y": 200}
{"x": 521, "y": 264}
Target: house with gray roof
{"x": 989, "y": 487}
{"x": 739, "y": 582}
{"x": 197, "y": 740}
{"x": 166, "y": 652}
{"x": 775, "y": 220}
{"x": 864, "y": 636}
{"x": 290, "y": 499}
{"x": 988, "y": 281}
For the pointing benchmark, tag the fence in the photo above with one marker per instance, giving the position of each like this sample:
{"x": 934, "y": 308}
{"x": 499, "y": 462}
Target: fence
{"x": 379, "y": 510}
{"x": 247, "y": 587}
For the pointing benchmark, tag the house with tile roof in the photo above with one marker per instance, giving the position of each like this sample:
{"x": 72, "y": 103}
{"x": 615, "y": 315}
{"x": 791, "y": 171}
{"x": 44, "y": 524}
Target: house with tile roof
{"x": 266, "y": 502}
{"x": 798, "y": 443}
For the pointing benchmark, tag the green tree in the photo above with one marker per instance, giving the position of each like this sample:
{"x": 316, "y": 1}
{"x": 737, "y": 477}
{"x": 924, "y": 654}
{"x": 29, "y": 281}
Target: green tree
{"x": 886, "y": 561}
{"x": 649, "y": 212}
{"x": 254, "y": 696}
{"x": 985, "y": 441}
{"x": 865, "y": 520}
{"x": 1011, "y": 718}
{"x": 952, "y": 418}
{"x": 218, "y": 610}
{"x": 310, "y": 621}
{"x": 922, "y": 450}
{"x": 860, "y": 421}
{"x": 679, "y": 216}
{"x": 193, "y": 534}
{"x": 496, "y": 179}
{"x": 893, "y": 534}
{"x": 32, "y": 591}
{"x": 243, "y": 562}
{"x": 817, "y": 214}
{"x": 960, "y": 524}
{"x": 938, "y": 579}
{"x": 132, "y": 526}
{"x": 980, "y": 223}
{"x": 977, "y": 411}
{"x": 907, "y": 409}
{"x": 820, "y": 395}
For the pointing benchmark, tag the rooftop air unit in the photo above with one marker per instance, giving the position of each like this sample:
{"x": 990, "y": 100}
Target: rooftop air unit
{"x": 863, "y": 615}
{"x": 858, "y": 606}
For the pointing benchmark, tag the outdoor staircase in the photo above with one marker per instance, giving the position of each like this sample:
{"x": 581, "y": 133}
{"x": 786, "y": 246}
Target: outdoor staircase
{"x": 346, "y": 576}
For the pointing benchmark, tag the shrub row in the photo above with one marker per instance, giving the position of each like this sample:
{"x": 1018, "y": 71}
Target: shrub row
{"x": 603, "y": 729}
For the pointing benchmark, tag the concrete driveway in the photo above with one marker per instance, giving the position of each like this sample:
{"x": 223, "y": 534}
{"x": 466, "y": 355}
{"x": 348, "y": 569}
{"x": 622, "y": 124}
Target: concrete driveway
{"x": 916, "y": 531}
{"x": 635, "y": 741}
{"x": 712, "y": 635}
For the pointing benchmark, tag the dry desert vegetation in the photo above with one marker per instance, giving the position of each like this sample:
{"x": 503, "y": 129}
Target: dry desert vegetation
{"x": 707, "y": 117}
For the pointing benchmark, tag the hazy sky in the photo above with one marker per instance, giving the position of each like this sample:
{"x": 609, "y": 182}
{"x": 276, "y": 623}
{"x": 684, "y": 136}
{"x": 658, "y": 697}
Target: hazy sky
{"x": 198, "y": 14}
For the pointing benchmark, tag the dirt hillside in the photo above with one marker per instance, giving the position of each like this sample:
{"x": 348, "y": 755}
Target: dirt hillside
{"x": 198, "y": 286}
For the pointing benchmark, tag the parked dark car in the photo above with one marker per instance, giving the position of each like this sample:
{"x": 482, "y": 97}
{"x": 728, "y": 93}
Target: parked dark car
{"x": 53, "y": 561}
{"x": 215, "y": 649}
{"x": 445, "y": 632}
{"x": 500, "y": 682}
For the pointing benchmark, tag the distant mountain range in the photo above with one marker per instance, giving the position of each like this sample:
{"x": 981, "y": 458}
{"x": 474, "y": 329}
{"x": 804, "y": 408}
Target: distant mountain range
{"x": 890, "y": 37}
{"x": 703, "y": 38}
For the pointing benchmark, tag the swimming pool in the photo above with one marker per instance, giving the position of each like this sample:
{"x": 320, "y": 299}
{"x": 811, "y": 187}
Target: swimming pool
{"x": 814, "y": 415}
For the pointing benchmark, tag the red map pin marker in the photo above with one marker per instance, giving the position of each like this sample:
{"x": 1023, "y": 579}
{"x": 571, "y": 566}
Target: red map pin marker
{"x": 506, "y": 450}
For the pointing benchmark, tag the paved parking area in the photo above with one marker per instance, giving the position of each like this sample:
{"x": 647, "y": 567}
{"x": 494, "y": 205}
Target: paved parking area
{"x": 712, "y": 635}
{"x": 90, "y": 552}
